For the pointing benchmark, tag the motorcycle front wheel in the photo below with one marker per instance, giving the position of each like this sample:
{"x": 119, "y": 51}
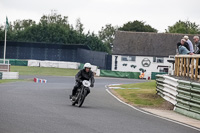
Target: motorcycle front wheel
{"x": 77, "y": 98}
{"x": 82, "y": 98}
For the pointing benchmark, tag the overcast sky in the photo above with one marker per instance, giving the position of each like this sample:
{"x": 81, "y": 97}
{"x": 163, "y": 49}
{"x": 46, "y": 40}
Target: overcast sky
{"x": 96, "y": 13}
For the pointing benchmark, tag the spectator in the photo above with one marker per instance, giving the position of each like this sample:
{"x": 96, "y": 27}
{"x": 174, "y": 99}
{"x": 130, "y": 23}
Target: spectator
{"x": 182, "y": 49}
{"x": 197, "y": 44}
{"x": 184, "y": 43}
{"x": 189, "y": 43}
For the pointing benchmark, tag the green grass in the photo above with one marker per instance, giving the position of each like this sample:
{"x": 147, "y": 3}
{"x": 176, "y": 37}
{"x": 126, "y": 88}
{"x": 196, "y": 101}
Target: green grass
{"x": 144, "y": 96}
{"x": 25, "y": 70}
{"x": 11, "y": 80}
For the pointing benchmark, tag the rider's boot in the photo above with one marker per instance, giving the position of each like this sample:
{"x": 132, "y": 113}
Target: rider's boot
{"x": 71, "y": 97}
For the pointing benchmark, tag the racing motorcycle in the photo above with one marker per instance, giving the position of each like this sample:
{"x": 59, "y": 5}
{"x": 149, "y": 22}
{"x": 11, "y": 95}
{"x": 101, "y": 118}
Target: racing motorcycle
{"x": 81, "y": 93}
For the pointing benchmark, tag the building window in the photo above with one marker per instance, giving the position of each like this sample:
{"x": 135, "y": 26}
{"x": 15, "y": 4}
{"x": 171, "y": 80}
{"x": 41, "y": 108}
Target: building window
{"x": 158, "y": 59}
{"x": 154, "y": 59}
{"x": 128, "y": 58}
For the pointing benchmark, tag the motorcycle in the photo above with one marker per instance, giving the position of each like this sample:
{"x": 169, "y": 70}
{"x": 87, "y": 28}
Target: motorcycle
{"x": 81, "y": 93}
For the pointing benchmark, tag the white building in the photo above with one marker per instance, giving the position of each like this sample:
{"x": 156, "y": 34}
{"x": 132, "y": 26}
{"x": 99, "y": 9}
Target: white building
{"x": 143, "y": 51}
{"x": 138, "y": 63}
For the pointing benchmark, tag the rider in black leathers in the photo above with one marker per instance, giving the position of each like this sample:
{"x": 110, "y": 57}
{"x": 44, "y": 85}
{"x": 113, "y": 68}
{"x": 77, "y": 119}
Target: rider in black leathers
{"x": 84, "y": 74}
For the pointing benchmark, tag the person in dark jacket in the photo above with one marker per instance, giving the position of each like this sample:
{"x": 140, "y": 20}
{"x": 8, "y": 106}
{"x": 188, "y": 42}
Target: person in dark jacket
{"x": 197, "y": 44}
{"x": 84, "y": 74}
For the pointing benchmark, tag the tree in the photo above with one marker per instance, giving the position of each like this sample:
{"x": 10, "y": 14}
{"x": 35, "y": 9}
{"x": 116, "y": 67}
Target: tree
{"x": 52, "y": 28}
{"x": 185, "y": 27}
{"x": 137, "y": 26}
{"x": 1, "y": 32}
{"x": 79, "y": 26}
{"x": 107, "y": 35}
{"x": 22, "y": 24}
{"x": 95, "y": 43}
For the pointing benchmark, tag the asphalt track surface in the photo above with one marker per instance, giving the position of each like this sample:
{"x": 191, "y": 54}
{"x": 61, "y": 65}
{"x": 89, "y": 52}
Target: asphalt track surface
{"x": 28, "y": 107}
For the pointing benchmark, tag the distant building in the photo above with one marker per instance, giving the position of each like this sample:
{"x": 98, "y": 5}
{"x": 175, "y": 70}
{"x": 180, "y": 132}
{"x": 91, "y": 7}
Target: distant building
{"x": 143, "y": 51}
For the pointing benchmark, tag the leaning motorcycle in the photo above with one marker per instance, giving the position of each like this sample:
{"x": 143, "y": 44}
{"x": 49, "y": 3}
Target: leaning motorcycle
{"x": 81, "y": 93}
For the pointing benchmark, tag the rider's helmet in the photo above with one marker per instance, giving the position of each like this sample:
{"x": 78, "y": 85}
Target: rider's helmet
{"x": 87, "y": 65}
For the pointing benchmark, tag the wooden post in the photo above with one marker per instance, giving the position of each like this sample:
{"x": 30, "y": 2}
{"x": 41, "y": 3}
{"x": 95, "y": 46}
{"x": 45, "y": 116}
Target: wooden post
{"x": 192, "y": 69}
{"x": 175, "y": 71}
{"x": 188, "y": 67}
{"x": 181, "y": 74}
{"x": 184, "y": 74}
{"x": 178, "y": 66}
{"x": 196, "y": 68}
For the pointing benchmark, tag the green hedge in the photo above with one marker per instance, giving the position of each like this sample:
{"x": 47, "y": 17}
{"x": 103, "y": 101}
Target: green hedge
{"x": 118, "y": 74}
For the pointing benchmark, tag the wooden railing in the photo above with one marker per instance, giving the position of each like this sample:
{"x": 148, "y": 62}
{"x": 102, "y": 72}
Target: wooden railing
{"x": 187, "y": 66}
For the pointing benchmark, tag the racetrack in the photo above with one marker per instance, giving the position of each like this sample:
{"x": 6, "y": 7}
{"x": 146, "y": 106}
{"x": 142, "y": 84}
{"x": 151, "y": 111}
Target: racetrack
{"x": 28, "y": 107}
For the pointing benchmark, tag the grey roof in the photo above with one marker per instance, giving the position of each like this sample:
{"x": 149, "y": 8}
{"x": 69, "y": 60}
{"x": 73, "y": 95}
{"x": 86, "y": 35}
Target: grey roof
{"x": 146, "y": 43}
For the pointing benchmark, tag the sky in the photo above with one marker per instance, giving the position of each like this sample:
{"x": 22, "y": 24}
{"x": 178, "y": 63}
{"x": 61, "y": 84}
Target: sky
{"x": 97, "y": 13}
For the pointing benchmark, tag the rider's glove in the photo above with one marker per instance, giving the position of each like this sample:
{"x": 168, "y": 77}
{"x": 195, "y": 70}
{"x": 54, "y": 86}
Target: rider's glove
{"x": 79, "y": 80}
{"x": 92, "y": 85}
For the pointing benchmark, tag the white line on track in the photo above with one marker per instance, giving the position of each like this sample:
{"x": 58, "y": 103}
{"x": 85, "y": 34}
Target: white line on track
{"x": 150, "y": 113}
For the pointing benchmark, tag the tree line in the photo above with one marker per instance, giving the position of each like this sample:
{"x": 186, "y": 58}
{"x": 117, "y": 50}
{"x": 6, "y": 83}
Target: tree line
{"x": 55, "y": 28}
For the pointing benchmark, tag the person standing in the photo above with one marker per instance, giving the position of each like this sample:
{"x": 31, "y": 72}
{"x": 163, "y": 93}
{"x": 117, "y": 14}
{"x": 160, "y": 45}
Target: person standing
{"x": 197, "y": 44}
{"x": 189, "y": 43}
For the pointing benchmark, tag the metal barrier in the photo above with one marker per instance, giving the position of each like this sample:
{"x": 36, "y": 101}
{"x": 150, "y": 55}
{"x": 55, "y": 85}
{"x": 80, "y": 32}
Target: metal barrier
{"x": 166, "y": 88}
{"x": 187, "y": 65}
{"x": 184, "y": 95}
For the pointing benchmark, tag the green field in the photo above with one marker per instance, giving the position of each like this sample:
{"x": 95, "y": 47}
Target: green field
{"x": 10, "y": 80}
{"x": 144, "y": 94}
{"x": 25, "y": 70}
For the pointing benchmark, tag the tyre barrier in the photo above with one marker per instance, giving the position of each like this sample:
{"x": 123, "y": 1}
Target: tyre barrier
{"x": 37, "y": 80}
{"x": 184, "y": 95}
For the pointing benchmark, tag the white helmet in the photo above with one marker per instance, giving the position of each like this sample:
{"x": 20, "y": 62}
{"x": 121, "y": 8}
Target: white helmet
{"x": 87, "y": 65}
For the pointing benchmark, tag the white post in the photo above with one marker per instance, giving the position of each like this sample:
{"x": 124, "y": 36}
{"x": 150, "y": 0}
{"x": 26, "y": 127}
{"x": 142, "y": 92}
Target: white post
{"x": 5, "y": 46}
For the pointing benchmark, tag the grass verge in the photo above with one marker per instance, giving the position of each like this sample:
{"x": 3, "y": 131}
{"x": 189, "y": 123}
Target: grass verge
{"x": 143, "y": 95}
{"x": 12, "y": 80}
{"x": 25, "y": 70}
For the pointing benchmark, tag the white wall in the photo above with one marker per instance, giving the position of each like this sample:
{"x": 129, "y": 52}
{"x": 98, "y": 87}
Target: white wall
{"x": 138, "y": 63}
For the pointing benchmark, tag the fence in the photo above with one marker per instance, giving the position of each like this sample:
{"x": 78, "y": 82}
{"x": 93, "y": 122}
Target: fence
{"x": 184, "y": 95}
{"x": 41, "y": 51}
{"x": 56, "y": 52}
{"x": 101, "y": 59}
{"x": 187, "y": 66}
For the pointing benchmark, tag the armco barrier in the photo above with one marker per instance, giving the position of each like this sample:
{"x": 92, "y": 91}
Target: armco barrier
{"x": 184, "y": 95}
{"x": 118, "y": 74}
{"x": 166, "y": 88}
